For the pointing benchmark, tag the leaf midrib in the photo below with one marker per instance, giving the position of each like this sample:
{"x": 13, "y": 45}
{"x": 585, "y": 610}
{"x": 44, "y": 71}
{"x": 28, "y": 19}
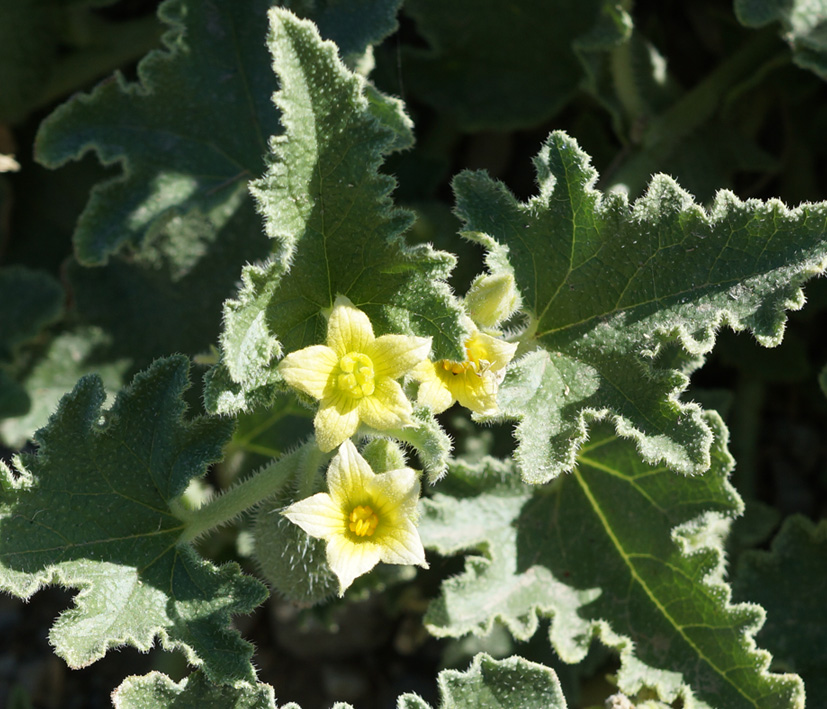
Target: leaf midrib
{"x": 636, "y": 577}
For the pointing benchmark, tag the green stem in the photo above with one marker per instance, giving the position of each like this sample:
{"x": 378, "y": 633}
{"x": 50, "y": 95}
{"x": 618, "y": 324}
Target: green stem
{"x": 622, "y": 66}
{"x": 667, "y": 131}
{"x": 312, "y": 460}
{"x": 243, "y": 496}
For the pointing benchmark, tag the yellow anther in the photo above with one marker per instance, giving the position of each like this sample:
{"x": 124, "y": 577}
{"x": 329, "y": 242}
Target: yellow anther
{"x": 356, "y": 378}
{"x": 363, "y": 521}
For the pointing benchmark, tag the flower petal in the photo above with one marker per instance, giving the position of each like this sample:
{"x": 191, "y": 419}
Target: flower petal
{"x": 395, "y": 494}
{"x": 433, "y": 390}
{"x": 476, "y": 392}
{"x": 494, "y": 350}
{"x": 388, "y": 407}
{"x": 348, "y": 329}
{"x": 348, "y": 477}
{"x": 318, "y": 515}
{"x": 395, "y": 355}
{"x": 348, "y": 559}
{"x": 310, "y": 370}
{"x": 402, "y": 545}
{"x": 336, "y": 420}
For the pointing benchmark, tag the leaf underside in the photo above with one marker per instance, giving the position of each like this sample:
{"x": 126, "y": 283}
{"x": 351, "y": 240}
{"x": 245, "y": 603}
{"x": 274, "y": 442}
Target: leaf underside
{"x": 337, "y": 232}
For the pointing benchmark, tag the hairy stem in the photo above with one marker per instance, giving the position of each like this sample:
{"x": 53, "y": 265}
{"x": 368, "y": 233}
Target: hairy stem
{"x": 243, "y": 496}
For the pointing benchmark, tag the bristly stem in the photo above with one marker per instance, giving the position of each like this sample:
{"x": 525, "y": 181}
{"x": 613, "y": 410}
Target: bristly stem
{"x": 243, "y": 496}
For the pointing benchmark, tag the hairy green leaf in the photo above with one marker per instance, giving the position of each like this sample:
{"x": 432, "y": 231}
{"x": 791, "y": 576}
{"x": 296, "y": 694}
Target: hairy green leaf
{"x": 489, "y": 683}
{"x": 189, "y": 134}
{"x": 803, "y": 24}
{"x": 790, "y": 582}
{"x": 328, "y": 208}
{"x": 498, "y": 65}
{"x": 48, "y": 48}
{"x": 619, "y": 550}
{"x": 157, "y": 691}
{"x": 193, "y": 130}
{"x": 605, "y": 284}
{"x": 91, "y": 511}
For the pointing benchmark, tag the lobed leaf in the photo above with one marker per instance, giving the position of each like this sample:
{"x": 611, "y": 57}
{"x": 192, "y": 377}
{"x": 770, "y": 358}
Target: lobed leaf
{"x": 790, "y": 582}
{"x": 620, "y": 550}
{"x": 91, "y": 511}
{"x": 489, "y": 683}
{"x": 157, "y": 691}
{"x": 325, "y": 203}
{"x": 194, "y": 129}
{"x": 606, "y": 284}
{"x": 353, "y": 26}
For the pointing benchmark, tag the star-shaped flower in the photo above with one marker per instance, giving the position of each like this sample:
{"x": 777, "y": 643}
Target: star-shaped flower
{"x": 353, "y": 375}
{"x": 473, "y": 383}
{"x": 365, "y": 518}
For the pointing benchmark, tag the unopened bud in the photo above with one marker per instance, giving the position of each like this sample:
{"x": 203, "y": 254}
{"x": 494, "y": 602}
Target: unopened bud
{"x": 492, "y": 299}
{"x": 383, "y": 455}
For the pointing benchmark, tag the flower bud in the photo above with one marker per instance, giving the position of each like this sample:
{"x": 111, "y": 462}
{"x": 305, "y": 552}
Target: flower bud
{"x": 491, "y": 299}
{"x": 383, "y": 454}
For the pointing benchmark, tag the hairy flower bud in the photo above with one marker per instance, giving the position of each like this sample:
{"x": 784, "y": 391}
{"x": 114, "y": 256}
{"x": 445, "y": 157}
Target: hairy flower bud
{"x": 492, "y": 299}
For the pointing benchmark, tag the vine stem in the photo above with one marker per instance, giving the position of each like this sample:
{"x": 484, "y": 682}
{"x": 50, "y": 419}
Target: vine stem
{"x": 265, "y": 483}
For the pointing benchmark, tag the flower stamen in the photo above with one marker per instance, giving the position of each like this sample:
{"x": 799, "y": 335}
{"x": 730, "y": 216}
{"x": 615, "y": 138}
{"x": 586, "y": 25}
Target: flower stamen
{"x": 363, "y": 521}
{"x": 357, "y": 375}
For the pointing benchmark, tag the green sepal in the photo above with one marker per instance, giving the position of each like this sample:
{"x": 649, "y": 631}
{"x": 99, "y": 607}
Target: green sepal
{"x": 618, "y": 550}
{"x": 426, "y": 436}
{"x": 335, "y": 229}
{"x": 91, "y": 510}
{"x": 606, "y": 284}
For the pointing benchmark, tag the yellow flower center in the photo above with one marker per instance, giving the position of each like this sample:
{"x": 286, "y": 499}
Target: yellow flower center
{"x": 363, "y": 521}
{"x": 476, "y": 359}
{"x": 356, "y": 377}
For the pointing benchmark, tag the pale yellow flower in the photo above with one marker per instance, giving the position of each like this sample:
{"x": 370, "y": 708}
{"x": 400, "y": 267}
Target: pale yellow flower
{"x": 473, "y": 383}
{"x": 365, "y": 518}
{"x": 353, "y": 375}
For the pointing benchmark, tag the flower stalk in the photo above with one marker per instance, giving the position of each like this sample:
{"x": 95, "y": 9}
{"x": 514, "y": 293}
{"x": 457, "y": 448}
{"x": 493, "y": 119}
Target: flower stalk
{"x": 250, "y": 492}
